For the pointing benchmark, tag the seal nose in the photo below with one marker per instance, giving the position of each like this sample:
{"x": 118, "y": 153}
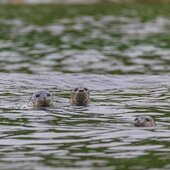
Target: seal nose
{"x": 44, "y": 98}
{"x": 81, "y": 90}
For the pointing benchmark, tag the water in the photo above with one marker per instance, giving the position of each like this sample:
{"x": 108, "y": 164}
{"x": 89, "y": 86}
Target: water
{"x": 98, "y": 136}
{"x": 125, "y": 64}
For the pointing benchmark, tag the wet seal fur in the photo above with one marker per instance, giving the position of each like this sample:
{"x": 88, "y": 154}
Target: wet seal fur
{"x": 80, "y": 96}
{"x": 41, "y": 99}
{"x": 144, "y": 121}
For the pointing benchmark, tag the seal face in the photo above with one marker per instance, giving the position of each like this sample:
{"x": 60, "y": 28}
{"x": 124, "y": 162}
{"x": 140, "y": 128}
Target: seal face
{"x": 144, "y": 121}
{"x": 80, "y": 96}
{"x": 40, "y": 99}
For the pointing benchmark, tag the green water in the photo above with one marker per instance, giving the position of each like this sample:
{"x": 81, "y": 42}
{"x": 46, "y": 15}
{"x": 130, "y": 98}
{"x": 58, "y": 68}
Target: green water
{"x": 119, "y": 51}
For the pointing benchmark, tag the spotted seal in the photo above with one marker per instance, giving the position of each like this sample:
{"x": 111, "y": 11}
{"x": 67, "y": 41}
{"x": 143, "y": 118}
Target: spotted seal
{"x": 144, "y": 121}
{"x": 80, "y": 96}
{"x": 41, "y": 98}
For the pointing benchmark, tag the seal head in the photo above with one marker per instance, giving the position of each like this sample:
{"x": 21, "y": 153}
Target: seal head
{"x": 80, "y": 96}
{"x": 144, "y": 121}
{"x": 41, "y": 98}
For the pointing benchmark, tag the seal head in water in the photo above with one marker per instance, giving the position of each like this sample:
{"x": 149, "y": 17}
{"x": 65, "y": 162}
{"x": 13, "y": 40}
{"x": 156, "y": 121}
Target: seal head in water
{"x": 144, "y": 121}
{"x": 80, "y": 96}
{"x": 42, "y": 98}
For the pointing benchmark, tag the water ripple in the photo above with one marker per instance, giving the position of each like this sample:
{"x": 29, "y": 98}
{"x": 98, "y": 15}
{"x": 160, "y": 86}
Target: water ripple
{"x": 101, "y": 131}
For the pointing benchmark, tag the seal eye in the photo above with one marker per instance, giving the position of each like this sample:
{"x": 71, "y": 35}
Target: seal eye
{"x": 37, "y": 95}
{"x": 147, "y": 119}
{"x": 48, "y": 94}
{"x": 75, "y": 89}
{"x": 85, "y": 89}
{"x": 136, "y": 119}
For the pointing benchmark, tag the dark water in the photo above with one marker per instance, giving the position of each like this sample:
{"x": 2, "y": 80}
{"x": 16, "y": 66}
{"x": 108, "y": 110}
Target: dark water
{"x": 126, "y": 66}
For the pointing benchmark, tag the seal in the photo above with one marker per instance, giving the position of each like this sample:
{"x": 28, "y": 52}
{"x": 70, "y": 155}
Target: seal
{"x": 144, "y": 121}
{"x": 80, "y": 96}
{"x": 41, "y": 98}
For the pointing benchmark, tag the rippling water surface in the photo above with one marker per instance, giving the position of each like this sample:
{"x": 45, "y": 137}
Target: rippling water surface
{"x": 123, "y": 60}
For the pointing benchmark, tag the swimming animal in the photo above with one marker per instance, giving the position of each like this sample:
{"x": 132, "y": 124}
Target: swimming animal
{"x": 80, "y": 96}
{"x": 41, "y": 98}
{"x": 144, "y": 121}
